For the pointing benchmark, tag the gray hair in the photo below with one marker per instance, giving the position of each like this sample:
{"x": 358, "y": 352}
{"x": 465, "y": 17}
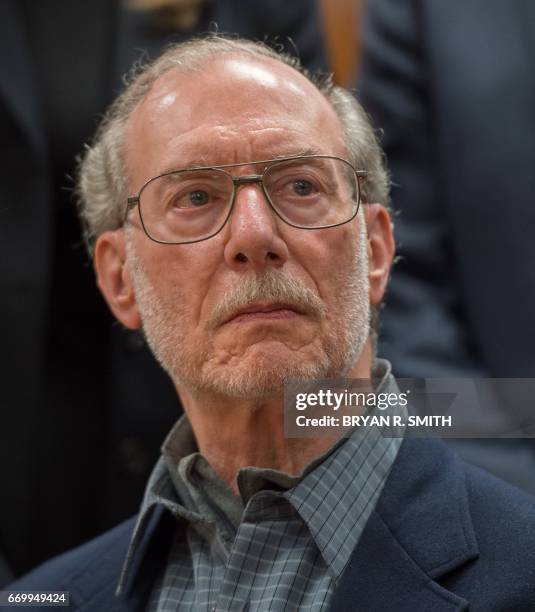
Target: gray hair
{"x": 102, "y": 187}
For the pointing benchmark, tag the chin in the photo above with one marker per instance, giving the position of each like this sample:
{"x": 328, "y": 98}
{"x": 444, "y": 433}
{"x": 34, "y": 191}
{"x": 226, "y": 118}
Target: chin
{"x": 262, "y": 375}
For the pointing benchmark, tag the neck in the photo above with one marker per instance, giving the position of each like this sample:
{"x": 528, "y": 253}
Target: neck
{"x": 234, "y": 433}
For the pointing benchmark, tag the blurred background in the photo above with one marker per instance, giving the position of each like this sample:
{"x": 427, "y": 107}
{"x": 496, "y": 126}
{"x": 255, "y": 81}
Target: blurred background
{"x": 451, "y": 88}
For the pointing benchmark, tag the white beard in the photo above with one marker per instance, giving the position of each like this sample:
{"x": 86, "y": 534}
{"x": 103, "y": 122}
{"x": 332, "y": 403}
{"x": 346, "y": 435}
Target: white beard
{"x": 165, "y": 319}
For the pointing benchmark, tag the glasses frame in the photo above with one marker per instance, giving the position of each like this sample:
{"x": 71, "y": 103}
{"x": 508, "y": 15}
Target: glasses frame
{"x": 135, "y": 200}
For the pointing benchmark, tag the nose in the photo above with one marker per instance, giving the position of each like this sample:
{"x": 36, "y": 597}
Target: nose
{"x": 254, "y": 241}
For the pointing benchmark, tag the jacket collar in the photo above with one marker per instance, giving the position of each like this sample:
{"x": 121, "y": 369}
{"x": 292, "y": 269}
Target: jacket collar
{"x": 420, "y": 530}
{"x": 152, "y": 547}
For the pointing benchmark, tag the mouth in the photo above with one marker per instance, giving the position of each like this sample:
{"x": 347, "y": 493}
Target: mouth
{"x": 264, "y": 312}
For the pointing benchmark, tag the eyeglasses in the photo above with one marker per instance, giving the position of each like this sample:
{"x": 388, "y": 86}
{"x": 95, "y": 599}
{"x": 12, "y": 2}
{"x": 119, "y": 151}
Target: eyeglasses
{"x": 193, "y": 204}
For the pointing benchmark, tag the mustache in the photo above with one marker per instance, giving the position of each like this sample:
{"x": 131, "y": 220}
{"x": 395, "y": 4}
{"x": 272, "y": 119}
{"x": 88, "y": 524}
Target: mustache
{"x": 273, "y": 286}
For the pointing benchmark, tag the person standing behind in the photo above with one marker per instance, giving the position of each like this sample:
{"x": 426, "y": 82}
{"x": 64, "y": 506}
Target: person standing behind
{"x": 452, "y": 87}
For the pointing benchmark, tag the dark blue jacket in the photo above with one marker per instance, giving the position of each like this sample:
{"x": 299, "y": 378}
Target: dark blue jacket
{"x": 445, "y": 536}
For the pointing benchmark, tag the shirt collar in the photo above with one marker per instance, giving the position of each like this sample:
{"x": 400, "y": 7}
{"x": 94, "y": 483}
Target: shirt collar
{"x": 159, "y": 492}
{"x": 343, "y": 484}
{"x": 346, "y": 485}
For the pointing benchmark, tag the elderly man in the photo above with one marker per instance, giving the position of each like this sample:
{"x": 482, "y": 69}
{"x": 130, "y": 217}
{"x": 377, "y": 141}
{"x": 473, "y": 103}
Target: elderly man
{"x": 221, "y": 197}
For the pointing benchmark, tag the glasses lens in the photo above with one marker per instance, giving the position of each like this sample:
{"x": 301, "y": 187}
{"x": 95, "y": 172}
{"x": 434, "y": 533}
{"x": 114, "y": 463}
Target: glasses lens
{"x": 313, "y": 192}
{"x": 186, "y": 205}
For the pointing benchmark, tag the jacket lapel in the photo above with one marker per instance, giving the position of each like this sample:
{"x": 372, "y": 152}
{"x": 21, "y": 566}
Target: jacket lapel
{"x": 94, "y": 589}
{"x": 420, "y": 530}
{"x": 16, "y": 80}
{"x": 152, "y": 552}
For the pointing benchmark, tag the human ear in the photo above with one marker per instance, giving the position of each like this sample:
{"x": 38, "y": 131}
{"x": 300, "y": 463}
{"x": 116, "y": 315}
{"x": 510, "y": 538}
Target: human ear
{"x": 381, "y": 248}
{"x": 113, "y": 278}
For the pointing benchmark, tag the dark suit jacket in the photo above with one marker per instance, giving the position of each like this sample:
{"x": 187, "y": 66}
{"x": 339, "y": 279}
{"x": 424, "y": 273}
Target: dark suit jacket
{"x": 83, "y": 406}
{"x": 452, "y": 85}
{"x": 445, "y": 536}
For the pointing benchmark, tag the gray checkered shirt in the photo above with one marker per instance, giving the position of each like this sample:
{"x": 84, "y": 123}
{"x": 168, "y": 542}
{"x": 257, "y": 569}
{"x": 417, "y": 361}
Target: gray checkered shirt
{"x": 283, "y": 543}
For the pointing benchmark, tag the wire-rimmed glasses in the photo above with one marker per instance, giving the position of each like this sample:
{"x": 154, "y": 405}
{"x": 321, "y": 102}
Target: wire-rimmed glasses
{"x": 193, "y": 204}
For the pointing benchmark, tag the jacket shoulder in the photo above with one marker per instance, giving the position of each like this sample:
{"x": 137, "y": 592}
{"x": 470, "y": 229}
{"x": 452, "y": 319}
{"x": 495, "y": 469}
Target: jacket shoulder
{"x": 85, "y": 570}
{"x": 503, "y": 517}
{"x": 503, "y": 522}
{"x": 451, "y": 528}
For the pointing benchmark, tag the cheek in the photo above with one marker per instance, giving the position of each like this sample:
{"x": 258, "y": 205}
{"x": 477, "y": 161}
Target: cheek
{"x": 341, "y": 246}
{"x": 184, "y": 270}
{"x": 331, "y": 255}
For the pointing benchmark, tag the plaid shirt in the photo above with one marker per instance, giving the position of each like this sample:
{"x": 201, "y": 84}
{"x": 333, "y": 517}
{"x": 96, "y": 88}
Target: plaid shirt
{"x": 283, "y": 544}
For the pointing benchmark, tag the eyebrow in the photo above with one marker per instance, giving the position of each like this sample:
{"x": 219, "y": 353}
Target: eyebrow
{"x": 192, "y": 163}
{"x": 202, "y": 162}
{"x": 302, "y": 152}
{"x": 299, "y": 153}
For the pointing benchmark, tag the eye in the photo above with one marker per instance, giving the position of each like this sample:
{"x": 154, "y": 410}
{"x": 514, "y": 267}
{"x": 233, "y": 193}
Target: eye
{"x": 191, "y": 197}
{"x": 198, "y": 198}
{"x": 303, "y": 187}
{"x": 295, "y": 183}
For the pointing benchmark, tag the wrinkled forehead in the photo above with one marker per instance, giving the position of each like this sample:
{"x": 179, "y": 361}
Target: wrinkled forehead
{"x": 234, "y": 95}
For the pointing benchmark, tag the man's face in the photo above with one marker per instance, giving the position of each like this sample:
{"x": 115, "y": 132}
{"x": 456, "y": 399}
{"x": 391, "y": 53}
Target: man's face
{"x": 261, "y": 301}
